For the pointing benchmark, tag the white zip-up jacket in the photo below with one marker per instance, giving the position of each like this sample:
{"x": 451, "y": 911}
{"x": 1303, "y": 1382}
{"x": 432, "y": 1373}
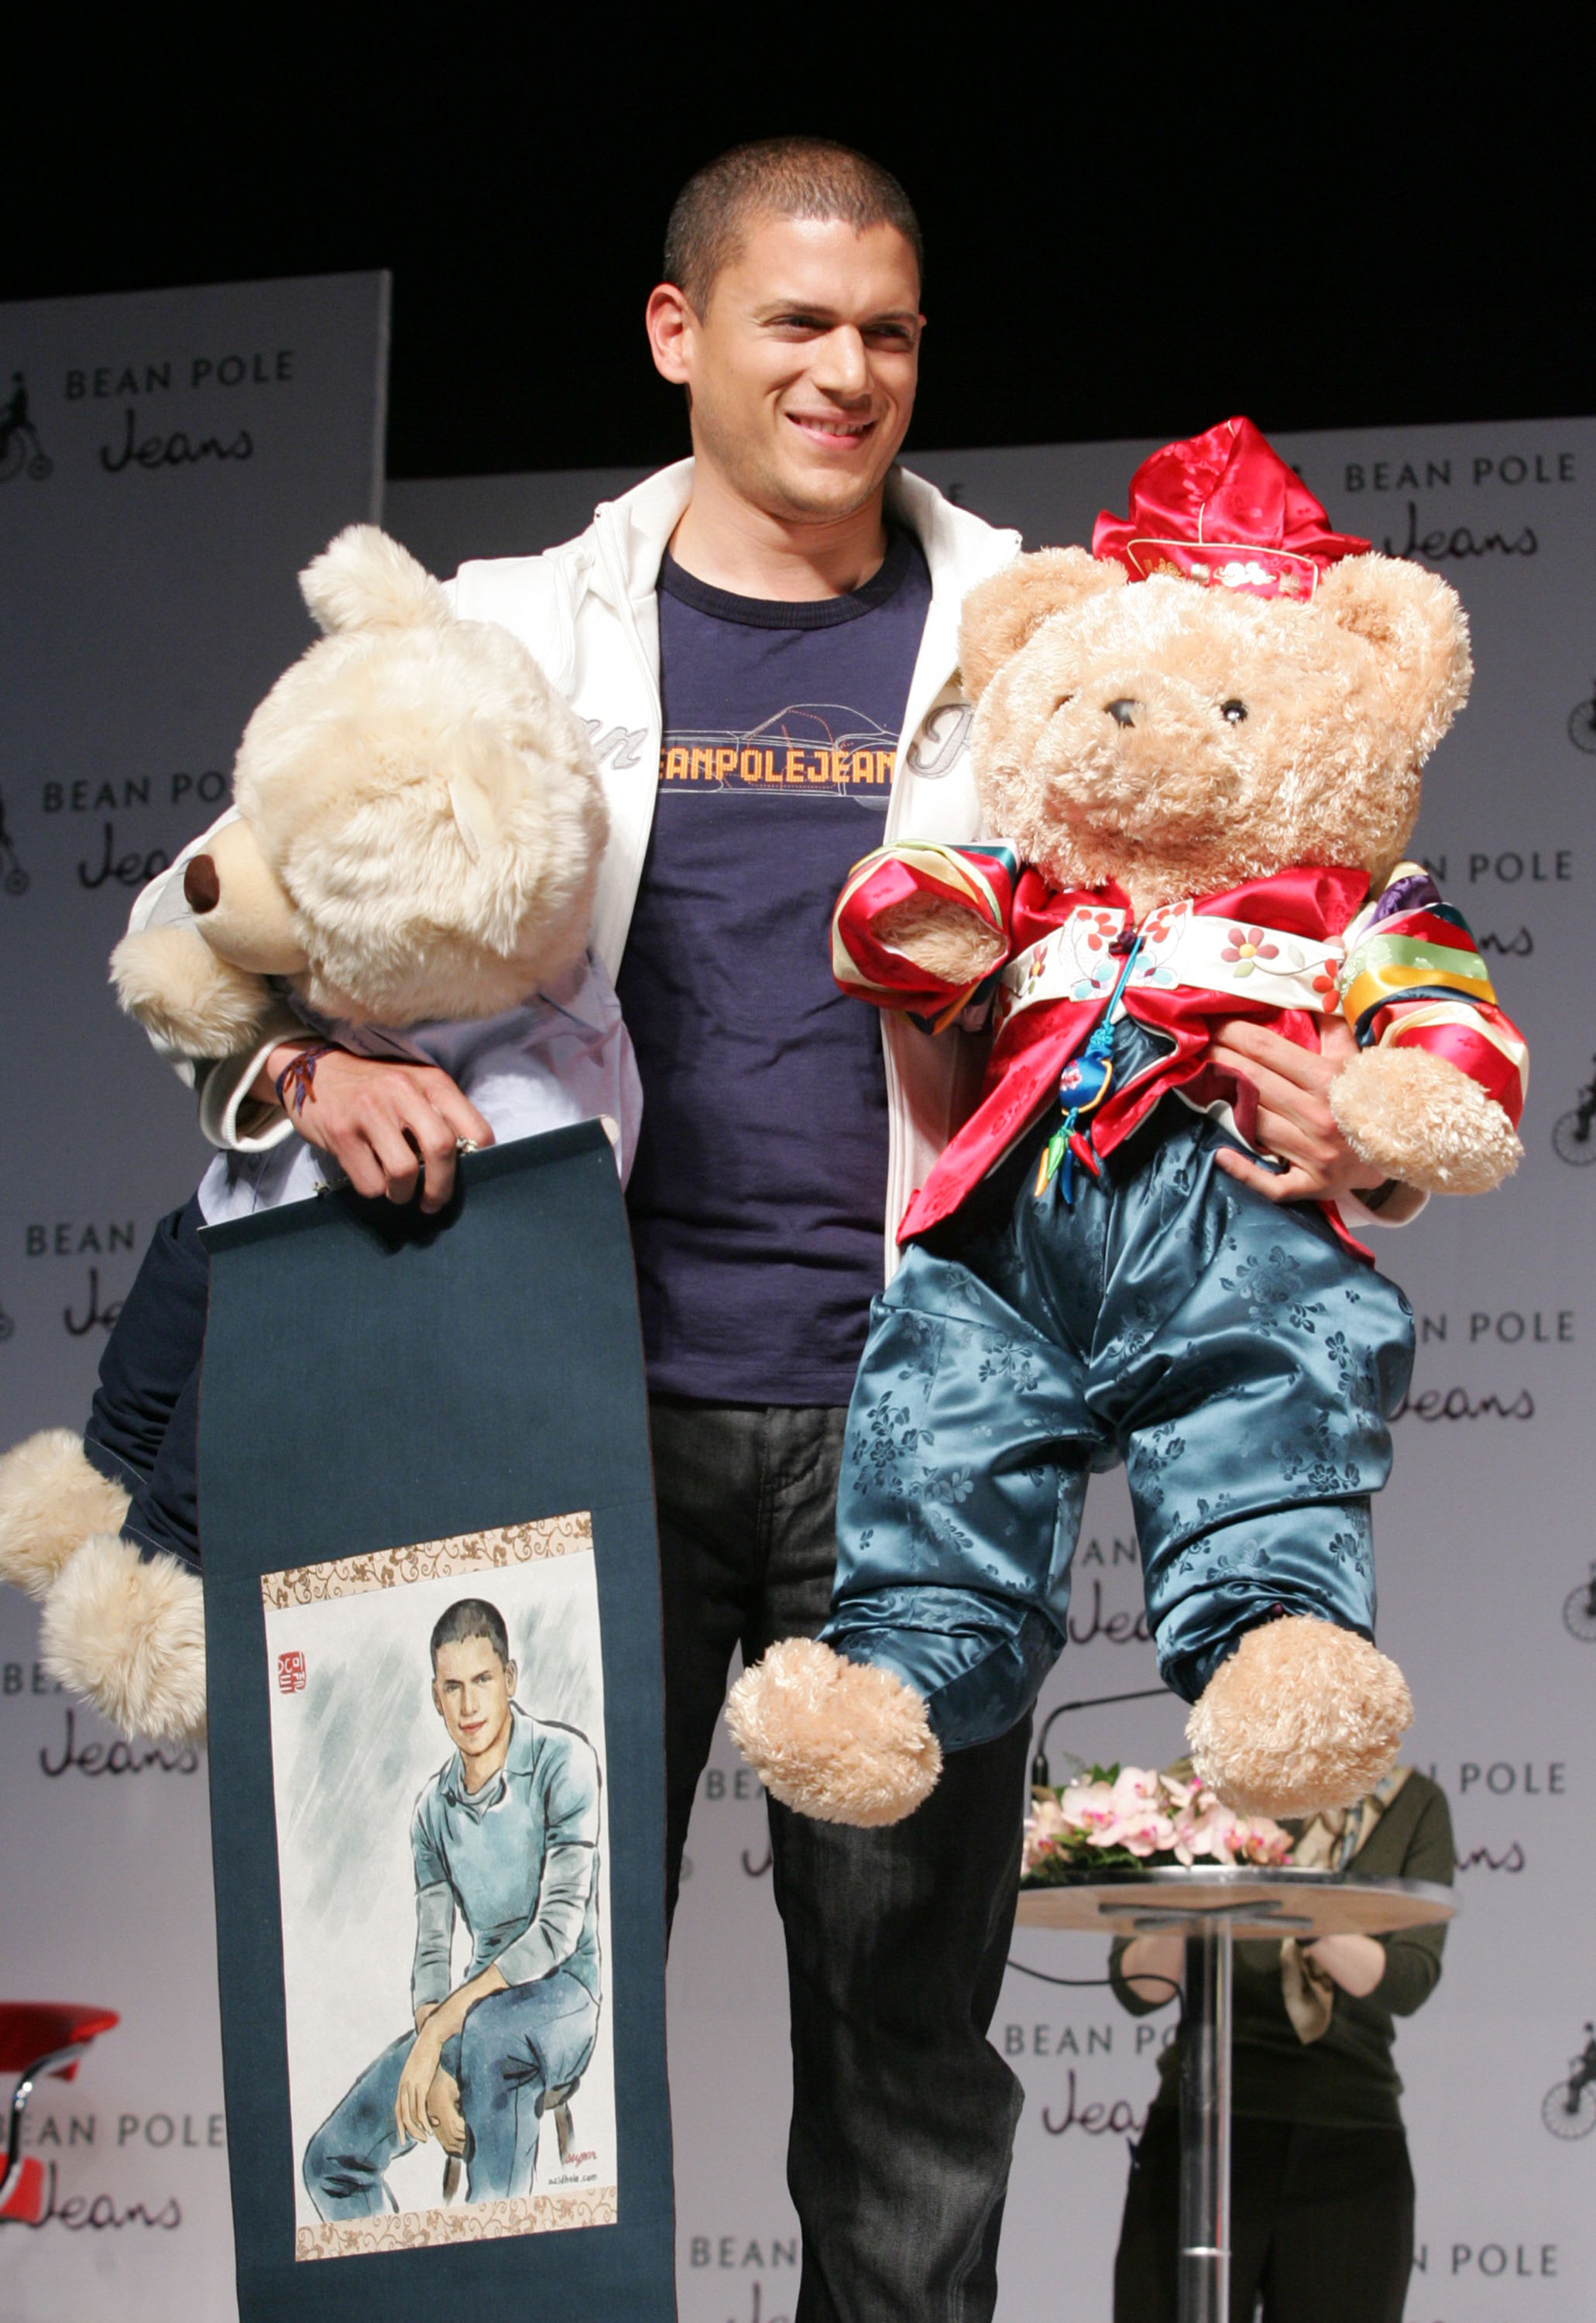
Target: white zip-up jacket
{"x": 588, "y": 612}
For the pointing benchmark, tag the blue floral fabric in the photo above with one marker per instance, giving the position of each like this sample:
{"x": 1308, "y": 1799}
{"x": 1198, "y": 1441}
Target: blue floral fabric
{"x": 1238, "y": 1359}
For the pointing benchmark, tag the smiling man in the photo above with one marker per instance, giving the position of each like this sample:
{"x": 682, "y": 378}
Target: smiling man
{"x": 764, "y": 642}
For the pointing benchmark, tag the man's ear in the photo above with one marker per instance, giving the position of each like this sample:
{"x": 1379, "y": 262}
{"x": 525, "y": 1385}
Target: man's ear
{"x": 1418, "y": 629}
{"x": 509, "y": 1677}
{"x": 669, "y": 320}
{"x": 1001, "y": 614}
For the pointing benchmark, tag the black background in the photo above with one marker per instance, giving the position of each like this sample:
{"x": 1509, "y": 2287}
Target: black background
{"x": 1131, "y": 231}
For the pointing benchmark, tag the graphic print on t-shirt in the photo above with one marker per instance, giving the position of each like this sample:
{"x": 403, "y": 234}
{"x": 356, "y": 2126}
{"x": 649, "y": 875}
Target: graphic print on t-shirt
{"x": 817, "y": 749}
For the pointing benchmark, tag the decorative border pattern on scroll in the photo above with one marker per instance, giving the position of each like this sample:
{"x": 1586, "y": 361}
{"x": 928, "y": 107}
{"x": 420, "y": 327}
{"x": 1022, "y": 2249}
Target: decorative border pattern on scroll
{"x": 477, "y": 2222}
{"x": 430, "y": 1560}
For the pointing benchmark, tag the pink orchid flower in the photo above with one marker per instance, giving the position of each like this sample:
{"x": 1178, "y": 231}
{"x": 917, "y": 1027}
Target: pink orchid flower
{"x": 1145, "y": 1813}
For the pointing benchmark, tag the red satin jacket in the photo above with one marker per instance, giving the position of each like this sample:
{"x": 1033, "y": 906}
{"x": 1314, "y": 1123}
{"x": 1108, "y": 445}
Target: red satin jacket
{"x": 1285, "y": 950}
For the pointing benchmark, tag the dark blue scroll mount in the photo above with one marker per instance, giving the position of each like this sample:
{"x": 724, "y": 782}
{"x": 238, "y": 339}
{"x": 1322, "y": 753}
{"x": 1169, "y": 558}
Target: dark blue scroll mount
{"x": 375, "y": 1379}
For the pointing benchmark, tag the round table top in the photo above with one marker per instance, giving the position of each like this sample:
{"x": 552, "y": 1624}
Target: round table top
{"x": 1254, "y": 1902}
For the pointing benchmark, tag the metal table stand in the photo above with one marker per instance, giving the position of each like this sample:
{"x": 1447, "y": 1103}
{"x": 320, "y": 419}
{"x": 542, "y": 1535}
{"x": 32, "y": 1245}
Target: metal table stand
{"x": 1210, "y": 1908}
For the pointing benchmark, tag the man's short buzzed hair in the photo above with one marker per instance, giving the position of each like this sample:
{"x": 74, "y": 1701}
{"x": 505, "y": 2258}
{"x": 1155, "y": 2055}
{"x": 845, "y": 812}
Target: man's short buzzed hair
{"x": 784, "y": 177}
{"x": 472, "y": 1617}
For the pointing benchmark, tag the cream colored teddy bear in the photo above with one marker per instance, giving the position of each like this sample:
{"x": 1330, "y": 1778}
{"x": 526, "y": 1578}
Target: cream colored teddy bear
{"x": 409, "y": 870}
{"x": 418, "y": 827}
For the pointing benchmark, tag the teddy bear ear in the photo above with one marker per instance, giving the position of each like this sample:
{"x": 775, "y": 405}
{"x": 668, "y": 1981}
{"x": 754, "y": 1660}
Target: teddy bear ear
{"x": 1000, "y": 615}
{"x": 1418, "y": 629}
{"x": 362, "y": 579}
{"x": 485, "y": 779}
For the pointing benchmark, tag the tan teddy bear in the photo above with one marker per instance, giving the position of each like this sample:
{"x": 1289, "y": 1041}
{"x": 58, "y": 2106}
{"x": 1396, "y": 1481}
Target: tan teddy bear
{"x": 408, "y": 871}
{"x": 1201, "y": 745}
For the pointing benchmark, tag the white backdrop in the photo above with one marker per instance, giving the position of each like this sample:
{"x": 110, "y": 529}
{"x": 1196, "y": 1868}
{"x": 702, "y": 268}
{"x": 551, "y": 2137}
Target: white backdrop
{"x": 148, "y": 601}
{"x": 1480, "y": 1537}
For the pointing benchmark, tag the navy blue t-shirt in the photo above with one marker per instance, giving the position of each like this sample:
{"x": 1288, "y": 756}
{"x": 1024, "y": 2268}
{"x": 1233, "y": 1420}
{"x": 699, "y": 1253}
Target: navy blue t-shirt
{"x": 759, "y": 1189}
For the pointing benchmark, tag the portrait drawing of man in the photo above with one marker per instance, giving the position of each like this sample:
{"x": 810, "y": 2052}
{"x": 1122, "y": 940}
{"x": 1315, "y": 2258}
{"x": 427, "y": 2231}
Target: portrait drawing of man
{"x": 506, "y": 1837}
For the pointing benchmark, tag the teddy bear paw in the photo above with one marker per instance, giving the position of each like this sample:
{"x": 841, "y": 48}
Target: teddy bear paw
{"x": 841, "y": 1741}
{"x": 1422, "y": 1122}
{"x": 128, "y": 1633}
{"x": 943, "y": 940}
{"x": 51, "y": 1500}
{"x": 185, "y": 995}
{"x": 1302, "y": 1716}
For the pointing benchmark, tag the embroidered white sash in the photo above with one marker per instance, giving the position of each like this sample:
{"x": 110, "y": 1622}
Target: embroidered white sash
{"x": 1180, "y": 950}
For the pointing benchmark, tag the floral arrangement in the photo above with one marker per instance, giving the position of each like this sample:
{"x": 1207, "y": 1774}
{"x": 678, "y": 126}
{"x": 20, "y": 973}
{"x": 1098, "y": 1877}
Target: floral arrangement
{"x": 1135, "y": 1817}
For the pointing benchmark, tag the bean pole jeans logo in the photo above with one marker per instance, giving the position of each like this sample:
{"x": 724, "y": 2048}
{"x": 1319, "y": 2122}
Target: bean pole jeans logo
{"x": 13, "y": 878}
{"x": 1568, "y": 2109}
{"x": 1571, "y": 1132}
{"x": 19, "y": 448}
{"x": 1581, "y": 724}
{"x": 1579, "y": 1610}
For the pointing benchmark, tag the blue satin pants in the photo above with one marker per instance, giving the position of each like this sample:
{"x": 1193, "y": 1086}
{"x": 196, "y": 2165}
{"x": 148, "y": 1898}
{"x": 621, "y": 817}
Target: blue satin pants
{"x": 1238, "y": 1359}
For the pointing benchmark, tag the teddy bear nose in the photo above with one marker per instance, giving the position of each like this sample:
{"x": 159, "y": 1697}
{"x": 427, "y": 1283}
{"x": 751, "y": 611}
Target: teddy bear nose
{"x": 1123, "y": 709}
{"x": 202, "y": 890}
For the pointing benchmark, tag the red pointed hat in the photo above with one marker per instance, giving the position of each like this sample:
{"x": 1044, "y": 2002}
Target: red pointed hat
{"x": 1225, "y": 510}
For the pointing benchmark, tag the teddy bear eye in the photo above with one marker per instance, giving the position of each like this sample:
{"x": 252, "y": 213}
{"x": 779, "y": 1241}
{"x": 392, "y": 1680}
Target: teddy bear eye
{"x": 1233, "y": 712}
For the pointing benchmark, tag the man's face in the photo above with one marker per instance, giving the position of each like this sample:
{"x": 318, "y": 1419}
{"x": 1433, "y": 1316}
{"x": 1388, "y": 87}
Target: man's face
{"x": 471, "y": 1688}
{"x": 802, "y": 371}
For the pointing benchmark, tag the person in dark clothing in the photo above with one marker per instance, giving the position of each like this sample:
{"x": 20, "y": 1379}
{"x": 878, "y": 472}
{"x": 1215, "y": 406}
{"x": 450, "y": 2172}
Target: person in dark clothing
{"x": 1321, "y": 2187}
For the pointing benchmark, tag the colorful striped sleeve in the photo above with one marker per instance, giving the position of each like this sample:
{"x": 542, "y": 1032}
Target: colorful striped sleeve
{"x": 1414, "y": 978}
{"x": 976, "y": 879}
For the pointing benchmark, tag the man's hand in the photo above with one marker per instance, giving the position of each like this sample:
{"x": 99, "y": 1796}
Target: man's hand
{"x": 443, "y": 2112}
{"x": 437, "y": 2022}
{"x": 386, "y": 1124}
{"x": 416, "y": 2084}
{"x": 1294, "y": 1117}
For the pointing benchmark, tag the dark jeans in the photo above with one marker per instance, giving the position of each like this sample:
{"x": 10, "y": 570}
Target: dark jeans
{"x": 904, "y": 2115}
{"x": 1322, "y": 2224}
{"x": 143, "y": 1431}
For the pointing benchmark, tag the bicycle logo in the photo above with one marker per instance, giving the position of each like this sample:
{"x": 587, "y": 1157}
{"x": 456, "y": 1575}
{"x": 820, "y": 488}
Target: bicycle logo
{"x": 1582, "y": 725}
{"x": 1568, "y": 2109}
{"x": 1571, "y": 1141}
{"x": 1579, "y": 1610}
{"x": 13, "y": 878}
{"x": 20, "y": 447}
